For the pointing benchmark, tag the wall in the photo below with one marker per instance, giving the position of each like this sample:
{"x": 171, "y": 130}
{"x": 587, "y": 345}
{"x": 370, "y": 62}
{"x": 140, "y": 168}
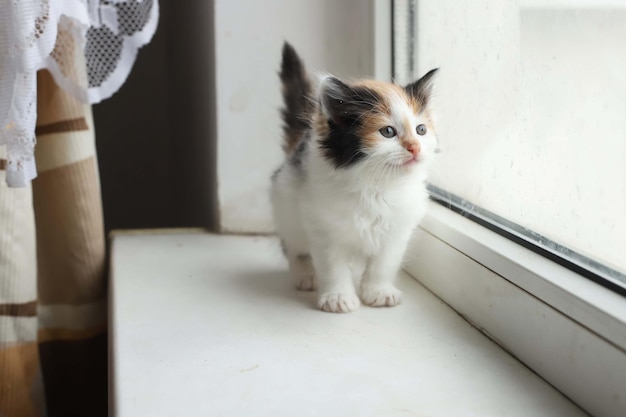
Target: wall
{"x": 193, "y": 136}
{"x": 335, "y": 36}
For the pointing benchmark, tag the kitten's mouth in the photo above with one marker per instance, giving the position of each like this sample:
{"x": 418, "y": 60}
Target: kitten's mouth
{"x": 412, "y": 161}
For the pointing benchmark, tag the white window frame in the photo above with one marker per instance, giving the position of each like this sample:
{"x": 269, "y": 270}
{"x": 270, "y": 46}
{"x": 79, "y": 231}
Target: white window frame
{"x": 568, "y": 329}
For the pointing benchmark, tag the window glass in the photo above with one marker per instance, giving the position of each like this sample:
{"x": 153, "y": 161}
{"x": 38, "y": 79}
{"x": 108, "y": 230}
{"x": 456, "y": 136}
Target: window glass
{"x": 531, "y": 115}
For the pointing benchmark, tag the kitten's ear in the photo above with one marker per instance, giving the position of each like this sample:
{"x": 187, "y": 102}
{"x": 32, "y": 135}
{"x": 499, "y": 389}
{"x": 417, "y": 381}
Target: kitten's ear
{"x": 422, "y": 88}
{"x": 340, "y": 102}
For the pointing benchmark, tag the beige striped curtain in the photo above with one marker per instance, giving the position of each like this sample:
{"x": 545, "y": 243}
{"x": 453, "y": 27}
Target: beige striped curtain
{"x": 53, "y": 347}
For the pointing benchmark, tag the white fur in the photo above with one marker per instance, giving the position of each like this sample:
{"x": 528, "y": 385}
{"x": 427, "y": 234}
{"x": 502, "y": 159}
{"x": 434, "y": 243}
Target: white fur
{"x": 354, "y": 222}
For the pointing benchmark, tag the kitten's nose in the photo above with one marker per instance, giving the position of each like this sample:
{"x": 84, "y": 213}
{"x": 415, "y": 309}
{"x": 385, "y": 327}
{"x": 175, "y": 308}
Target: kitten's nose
{"x": 414, "y": 148}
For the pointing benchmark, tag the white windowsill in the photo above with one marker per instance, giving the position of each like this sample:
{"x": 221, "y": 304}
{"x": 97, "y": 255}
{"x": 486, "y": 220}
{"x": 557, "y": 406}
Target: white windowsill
{"x": 211, "y": 325}
{"x": 568, "y": 329}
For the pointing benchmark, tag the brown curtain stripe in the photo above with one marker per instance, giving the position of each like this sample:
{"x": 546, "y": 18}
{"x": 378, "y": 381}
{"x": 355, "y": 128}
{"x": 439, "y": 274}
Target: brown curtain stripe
{"x": 67, "y": 335}
{"x": 19, "y": 310}
{"x": 21, "y": 392}
{"x": 71, "y": 125}
{"x": 3, "y": 164}
{"x": 58, "y": 104}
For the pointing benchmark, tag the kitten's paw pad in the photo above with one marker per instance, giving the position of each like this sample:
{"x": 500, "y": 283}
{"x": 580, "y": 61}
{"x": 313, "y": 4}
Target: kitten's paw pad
{"x": 306, "y": 283}
{"x": 338, "y": 303}
{"x": 381, "y": 296}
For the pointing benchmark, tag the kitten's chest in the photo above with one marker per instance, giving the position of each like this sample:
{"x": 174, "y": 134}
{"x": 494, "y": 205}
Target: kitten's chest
{"x": 377, "y": 217}
{"x": 375, "y": 211}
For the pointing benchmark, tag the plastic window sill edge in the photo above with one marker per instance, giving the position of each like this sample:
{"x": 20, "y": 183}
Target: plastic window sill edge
{"x": 515, "y": 295}
{"x": 592, "y": 306}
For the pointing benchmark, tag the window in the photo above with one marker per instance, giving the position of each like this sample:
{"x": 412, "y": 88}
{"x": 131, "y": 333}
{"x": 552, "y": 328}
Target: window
{"x": 538, "y": 138}
{"x": 530, "y": 105}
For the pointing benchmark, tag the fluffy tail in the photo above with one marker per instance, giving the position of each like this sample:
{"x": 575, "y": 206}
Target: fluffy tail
{"x": 298, "y": 97}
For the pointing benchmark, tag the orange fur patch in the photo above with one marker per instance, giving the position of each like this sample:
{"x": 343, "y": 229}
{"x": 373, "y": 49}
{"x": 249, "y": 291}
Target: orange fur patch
{"x": 381, "y": 114}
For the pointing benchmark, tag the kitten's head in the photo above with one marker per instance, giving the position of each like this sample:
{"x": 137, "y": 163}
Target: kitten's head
{"x": 377, "y": 125}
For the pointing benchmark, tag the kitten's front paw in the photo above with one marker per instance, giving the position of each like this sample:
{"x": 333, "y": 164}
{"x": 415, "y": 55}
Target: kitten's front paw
{"x": 306, "y": 283}
{"x": 338, "y": 303}
{"x": 381, "y": 296}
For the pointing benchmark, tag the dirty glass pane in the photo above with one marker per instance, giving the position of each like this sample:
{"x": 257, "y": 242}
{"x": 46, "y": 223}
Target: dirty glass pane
{"x": 531, "y": 117}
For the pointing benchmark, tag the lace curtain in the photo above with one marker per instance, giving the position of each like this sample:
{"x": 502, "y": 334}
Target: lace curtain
{"x": 38, "y": 34}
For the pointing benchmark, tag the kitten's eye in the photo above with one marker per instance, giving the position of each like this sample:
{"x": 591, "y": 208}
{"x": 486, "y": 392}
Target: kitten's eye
{"x": 388, "y": 132}
{"x": 421, "y": 130}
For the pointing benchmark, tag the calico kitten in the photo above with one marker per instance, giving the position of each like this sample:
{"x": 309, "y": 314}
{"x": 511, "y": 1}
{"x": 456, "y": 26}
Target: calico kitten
{"x": 351, "y": 189}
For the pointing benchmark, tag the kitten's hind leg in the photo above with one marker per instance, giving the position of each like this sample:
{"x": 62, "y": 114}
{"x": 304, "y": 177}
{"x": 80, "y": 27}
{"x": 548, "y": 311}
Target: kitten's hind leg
{"x": 301, "y": 269}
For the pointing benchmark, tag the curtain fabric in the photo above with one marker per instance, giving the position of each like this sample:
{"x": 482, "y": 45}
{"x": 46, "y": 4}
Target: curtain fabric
{"x": 44, "y": 34}
{"x": 21, "y": 383}
{"x": 53, "y": 340}
{"x": 53, "y": 348}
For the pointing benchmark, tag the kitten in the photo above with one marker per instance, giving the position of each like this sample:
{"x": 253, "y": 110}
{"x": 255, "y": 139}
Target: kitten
{"x": 351, "y": 189}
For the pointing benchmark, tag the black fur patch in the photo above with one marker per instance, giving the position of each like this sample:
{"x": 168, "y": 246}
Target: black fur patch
{"x": 422, "y": 88}
{"x": 346, "y": 107}
{"x": 347, "y": 104}
{"x": 276, "y": 173}
{"x": 299, "y": 105}
{"x": 342, "y": 146}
